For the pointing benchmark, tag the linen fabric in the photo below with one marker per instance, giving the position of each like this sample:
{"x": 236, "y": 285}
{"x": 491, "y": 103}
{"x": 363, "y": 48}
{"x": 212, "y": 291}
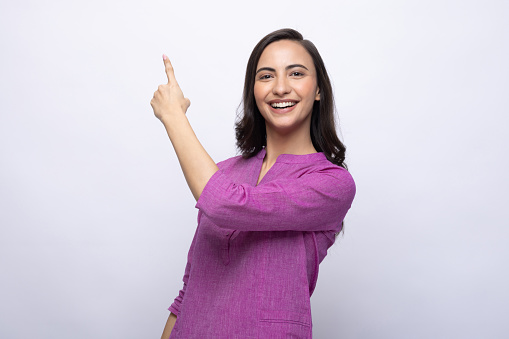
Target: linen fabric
{"x": 253, "y": 262}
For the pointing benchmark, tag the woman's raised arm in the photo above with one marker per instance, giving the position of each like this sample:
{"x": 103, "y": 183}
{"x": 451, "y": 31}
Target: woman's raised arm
{"x": 170, "y": 106}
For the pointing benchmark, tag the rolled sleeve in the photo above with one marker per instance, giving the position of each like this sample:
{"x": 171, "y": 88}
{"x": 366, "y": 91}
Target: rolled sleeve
{"x": 316, "y": 201}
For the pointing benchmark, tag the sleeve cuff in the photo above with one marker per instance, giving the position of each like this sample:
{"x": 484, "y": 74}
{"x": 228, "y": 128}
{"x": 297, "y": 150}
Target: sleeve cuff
{"x": 213, "y": 190}
{"x": 173, "y": 310}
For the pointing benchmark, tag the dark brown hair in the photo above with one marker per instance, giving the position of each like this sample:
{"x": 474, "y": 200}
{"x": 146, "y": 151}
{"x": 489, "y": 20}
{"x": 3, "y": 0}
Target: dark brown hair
{"x": 250, "y": 126}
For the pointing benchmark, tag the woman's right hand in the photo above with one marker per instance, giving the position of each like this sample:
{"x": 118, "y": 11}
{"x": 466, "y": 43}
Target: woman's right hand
{"x": 170, "y": 107}
{"x": 169, "y": 100}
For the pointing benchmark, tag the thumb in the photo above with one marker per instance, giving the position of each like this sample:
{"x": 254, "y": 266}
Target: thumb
{"x": 187, "y": 103}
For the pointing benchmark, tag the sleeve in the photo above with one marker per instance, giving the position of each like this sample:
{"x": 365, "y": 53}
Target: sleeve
{"x": 315, "y": 201}
{"x": 175, "y": 306}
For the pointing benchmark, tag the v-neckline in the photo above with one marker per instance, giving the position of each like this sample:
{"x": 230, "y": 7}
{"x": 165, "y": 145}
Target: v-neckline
{"x": 261, "y": 156}
{"x": 282, "y": 158}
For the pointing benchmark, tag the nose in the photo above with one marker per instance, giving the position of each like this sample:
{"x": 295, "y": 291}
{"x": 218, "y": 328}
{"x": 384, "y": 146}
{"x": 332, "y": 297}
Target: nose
{"x": 281, "y": 86}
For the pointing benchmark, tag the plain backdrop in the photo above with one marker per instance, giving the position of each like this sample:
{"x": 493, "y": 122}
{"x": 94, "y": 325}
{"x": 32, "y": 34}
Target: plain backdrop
{"x": 96, "y": 218}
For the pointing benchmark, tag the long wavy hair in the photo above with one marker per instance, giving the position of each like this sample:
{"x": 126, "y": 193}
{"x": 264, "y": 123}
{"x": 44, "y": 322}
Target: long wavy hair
{"x": 250, "y": 126}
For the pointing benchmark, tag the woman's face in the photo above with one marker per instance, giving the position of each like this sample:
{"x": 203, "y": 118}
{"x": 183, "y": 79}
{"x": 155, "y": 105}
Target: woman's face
{"x": 285, "y": 87}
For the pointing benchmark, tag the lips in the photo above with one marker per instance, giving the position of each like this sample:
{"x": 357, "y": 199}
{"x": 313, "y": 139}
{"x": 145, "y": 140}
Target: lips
{"x": 282, "y": 105}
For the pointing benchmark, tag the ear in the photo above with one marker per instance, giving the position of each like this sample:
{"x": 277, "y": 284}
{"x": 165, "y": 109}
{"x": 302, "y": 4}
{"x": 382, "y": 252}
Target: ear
{"x": 317, "y": 95}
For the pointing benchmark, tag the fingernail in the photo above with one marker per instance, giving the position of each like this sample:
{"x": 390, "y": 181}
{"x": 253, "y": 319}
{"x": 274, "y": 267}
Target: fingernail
{"x": 165, "y": 57}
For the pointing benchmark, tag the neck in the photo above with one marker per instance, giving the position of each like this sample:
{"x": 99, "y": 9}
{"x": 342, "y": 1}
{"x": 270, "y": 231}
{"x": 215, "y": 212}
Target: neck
{"x": 298, "y": 143}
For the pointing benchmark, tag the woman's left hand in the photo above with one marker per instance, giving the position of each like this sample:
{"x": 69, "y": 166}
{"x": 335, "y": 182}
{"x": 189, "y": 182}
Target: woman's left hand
{"x": 169, "y": 100}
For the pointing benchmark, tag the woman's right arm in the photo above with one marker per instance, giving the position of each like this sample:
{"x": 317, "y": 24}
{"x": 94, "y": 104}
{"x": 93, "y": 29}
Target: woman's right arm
{"x": 169, "y": 326}
{"x": 170, "y": 107}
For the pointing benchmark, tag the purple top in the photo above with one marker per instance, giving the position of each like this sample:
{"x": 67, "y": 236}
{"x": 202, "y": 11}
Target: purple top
{"x": 253, "y": 261}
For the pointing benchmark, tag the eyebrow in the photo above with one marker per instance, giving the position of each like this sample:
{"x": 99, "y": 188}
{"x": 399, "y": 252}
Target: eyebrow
{"x": 270, "y": 69}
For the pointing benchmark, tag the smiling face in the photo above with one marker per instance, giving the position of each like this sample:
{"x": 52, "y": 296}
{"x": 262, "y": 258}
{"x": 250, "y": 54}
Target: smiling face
{"x": 285, "y": 87}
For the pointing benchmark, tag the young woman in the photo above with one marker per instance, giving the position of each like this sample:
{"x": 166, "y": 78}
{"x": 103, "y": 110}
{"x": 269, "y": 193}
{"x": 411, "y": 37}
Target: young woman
{"x": 266, "y": 218}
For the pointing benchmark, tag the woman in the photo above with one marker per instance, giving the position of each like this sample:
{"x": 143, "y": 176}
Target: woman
{"x": 266, "y": 218}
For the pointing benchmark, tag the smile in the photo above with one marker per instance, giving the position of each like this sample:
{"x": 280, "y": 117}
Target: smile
{"x": 282, "y": 105}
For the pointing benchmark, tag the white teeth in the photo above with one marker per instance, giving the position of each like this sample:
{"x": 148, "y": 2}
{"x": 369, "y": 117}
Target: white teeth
{"x": 282, "y": 104}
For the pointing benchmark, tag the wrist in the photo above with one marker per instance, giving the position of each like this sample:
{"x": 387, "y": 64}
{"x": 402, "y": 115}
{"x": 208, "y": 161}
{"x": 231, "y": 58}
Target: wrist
{"x": 177, "y": 126}
{"x": 173, "y": 118}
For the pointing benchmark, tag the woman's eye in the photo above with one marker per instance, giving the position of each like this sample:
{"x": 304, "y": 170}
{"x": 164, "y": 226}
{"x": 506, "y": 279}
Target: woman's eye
{"x": 296, "y": 74}
{"x": 265, "y": 76}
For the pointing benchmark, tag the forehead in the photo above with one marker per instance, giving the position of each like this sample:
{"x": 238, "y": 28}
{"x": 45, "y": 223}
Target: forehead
{"x": 283, "y": 53}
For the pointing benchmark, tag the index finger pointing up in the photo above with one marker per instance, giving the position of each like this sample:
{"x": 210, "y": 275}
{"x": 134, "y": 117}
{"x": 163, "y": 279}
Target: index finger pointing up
{"x": 169, "y": 69}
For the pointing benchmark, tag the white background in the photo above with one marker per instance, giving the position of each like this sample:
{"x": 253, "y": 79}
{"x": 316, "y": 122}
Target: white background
{"x": 96, "y": 218}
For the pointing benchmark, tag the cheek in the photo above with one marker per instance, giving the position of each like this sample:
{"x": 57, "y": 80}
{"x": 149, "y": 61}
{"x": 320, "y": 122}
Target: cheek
{"x": 259, "y": 95}
{"x": 257, "y": 92}
{"x": 308, "y": 90}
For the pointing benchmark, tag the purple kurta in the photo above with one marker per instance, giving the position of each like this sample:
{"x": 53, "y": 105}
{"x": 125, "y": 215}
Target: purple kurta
{"x": 253, "y": 261}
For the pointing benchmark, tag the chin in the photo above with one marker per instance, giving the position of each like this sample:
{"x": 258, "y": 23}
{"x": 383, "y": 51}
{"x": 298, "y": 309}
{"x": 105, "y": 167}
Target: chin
{"x": 285, "y": 129}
